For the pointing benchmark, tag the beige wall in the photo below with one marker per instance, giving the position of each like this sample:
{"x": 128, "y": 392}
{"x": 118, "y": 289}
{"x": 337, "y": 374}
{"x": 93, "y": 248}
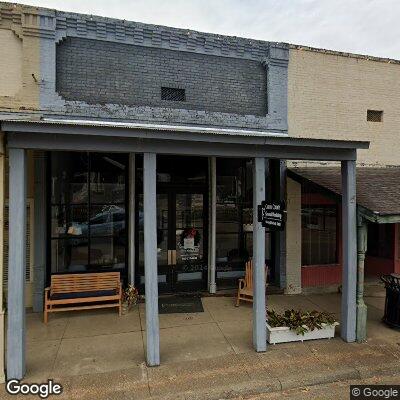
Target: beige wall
{"x": 10, "y": 63}
{"x": 329, "y": 95}
{"x": 20, "y": 46}
{"x": 293, "y": 237}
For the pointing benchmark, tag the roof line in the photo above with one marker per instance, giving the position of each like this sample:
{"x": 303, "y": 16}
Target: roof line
{"x": 344, "y": 54}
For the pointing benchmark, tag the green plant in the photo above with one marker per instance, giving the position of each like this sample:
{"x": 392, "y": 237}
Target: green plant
{"x": 300, "y": 321}
{"x": 131, "y": 295}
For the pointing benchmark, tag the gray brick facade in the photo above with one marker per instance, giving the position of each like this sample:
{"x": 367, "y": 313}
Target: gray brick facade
{"x": 90, "y": 67}
{"x": 99, "y": 72}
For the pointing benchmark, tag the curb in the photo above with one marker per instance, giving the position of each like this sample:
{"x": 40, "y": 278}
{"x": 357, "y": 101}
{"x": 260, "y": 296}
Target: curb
{"x": 257, "y": 387}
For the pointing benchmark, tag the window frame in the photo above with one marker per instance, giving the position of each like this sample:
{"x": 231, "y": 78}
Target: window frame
{"x": 90, "y": 205}
{"x": 338, "y": 246}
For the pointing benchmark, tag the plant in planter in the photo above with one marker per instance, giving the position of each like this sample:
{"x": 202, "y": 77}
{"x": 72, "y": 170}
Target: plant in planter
{"x": 296, "y": 325}
{"x": 130, "y": 298}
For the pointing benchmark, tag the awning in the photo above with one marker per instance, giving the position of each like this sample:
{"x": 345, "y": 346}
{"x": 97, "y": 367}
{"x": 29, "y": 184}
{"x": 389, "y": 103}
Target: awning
{"x": 114, "y": 136}
{"x": 378, "y": 189}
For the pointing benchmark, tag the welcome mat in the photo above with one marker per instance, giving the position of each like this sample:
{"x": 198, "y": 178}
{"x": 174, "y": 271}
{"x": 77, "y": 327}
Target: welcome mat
{"x": 179, "y": 304}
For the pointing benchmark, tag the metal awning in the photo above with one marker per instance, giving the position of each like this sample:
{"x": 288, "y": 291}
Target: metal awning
{"x": 110, "y": 136}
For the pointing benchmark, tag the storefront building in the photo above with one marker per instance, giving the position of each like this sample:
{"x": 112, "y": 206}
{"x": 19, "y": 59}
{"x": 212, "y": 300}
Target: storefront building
{"x": 147, "y": 150}
{"x": 349, "y": 96}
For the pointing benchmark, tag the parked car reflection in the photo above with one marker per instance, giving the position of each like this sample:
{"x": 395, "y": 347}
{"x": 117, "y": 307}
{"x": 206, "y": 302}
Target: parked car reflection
{"x": 109, "y": 221}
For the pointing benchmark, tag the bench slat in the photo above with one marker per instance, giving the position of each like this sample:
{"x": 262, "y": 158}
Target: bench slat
{"x": 89, "y": 282}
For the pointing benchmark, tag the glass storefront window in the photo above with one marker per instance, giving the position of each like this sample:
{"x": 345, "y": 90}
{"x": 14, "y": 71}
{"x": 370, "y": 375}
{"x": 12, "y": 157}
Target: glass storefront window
{"x": 69, "y": 254}
{"x": 69, "y": 178}
{"x": 234, "y": 231}
{"x": 107, "y": 179}
{"x": 88, "y": 211}
{"x": 107, "y": 252}
{"x": 319, "y": 235}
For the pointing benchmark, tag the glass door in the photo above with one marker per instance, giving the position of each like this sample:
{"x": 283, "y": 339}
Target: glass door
{"x": 189, "y": 264}
{"x": 181, "y": 253}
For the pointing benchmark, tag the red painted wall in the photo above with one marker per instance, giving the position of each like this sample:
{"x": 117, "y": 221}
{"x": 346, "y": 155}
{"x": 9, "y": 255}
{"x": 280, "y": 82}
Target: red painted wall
{"x": 321, "y": 275}
{"x": 325, "y": 275}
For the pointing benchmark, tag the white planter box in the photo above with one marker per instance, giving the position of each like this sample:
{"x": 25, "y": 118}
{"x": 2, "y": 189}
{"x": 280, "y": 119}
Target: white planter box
{"x": 283, "y": 334}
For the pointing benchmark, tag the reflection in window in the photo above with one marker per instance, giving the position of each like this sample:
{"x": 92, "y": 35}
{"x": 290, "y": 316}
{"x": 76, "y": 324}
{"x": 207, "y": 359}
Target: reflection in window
{"x": 319, "y": 238}
{"x": 88, "y": 219}
{"x": 234, "y": 217}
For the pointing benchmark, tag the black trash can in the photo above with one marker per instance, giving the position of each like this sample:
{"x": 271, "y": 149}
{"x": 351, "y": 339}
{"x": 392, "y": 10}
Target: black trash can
{"x": 392, "y": 302}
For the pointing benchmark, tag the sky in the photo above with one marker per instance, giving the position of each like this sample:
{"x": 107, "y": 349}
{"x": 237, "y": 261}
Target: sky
{"x": 358, "y": 26}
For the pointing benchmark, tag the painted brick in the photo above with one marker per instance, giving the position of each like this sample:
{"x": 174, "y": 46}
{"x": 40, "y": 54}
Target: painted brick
{"x": 99, "y": 72}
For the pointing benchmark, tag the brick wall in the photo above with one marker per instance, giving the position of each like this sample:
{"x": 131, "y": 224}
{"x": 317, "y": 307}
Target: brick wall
{"x": 99, "y": 72}
{"x": 329, "y": 95}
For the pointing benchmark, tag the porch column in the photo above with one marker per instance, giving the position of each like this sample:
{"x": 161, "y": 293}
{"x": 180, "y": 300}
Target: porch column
{"x": 16, "y": 265}
{"x": 349, "y": 237}
{"x": 39, "y": 268}
{"x": 212, "y": 286}
{"x": 150, "y": 258}
{"x": 362, "y": 233}
{"x": 131, "y": 224}
{"x": 259, "y": 311}
{"x": 280, "y": 245}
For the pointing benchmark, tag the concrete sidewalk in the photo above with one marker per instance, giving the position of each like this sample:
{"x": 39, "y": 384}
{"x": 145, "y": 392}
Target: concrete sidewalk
{"x": 207, "y": 355}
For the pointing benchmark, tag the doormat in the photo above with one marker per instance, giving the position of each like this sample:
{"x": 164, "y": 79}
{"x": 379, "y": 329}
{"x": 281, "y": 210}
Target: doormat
{"x": 179, "y": 304}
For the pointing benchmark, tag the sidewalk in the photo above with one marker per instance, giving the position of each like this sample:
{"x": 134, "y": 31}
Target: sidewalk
{"x": 204, "y": 356}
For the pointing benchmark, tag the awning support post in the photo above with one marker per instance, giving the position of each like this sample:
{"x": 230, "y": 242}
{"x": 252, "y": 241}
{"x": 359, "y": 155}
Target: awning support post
{"x": 349, "y": 237}
{"x": 16, "y": 265}
{"x": 259, "y": 310}
{"x": 150, "y": 258}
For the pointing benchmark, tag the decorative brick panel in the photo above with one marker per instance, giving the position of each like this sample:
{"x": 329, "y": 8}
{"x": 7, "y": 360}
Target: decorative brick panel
{"x": 99, "y": 72}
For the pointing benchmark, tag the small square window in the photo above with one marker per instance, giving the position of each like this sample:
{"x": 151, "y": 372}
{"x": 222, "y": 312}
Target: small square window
{"x": 374, "y": 115}
{"x": 172, "y": 94}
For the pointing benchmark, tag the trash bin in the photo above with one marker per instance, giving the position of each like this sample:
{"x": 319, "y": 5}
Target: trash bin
{"x": 392, "y": 303}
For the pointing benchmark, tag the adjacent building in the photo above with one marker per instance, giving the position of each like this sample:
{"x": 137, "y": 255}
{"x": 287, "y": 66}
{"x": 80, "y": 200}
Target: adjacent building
{"x": 348, "y": 96}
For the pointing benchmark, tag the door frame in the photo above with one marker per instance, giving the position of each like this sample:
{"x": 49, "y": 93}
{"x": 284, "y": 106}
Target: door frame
{"x": 172, "y": 190}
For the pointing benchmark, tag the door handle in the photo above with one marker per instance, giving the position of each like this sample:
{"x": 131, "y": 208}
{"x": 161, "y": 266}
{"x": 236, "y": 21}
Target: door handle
{"x": 173, "y": 257}
{"x": 169, "y": 261}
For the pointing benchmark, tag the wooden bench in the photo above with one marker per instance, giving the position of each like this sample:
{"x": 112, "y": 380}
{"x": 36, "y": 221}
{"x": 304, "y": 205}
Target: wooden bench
{"x": 69, "y": 292}
{"x": 245, "y": 290}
